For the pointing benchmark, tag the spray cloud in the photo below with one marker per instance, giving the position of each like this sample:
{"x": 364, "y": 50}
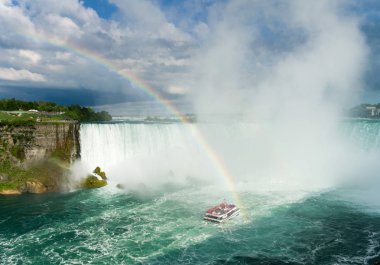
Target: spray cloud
{"x": 278, "y": 75}
{"x": 287, "y": 69}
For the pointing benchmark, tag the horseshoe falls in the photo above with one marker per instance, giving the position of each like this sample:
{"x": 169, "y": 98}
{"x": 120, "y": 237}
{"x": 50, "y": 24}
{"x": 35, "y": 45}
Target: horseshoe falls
{"x": 313, "y": 205}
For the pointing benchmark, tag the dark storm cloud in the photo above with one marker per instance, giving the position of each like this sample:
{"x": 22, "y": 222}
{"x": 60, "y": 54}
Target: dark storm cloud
{"x": 82, "y": 96}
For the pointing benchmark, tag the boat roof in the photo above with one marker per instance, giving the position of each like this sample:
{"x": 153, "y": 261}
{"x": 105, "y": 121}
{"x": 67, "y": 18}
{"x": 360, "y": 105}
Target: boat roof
{"x": 220, "y": 207}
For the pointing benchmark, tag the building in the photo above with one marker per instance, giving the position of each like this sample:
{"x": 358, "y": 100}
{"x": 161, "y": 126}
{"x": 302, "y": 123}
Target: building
{"x": 373, "y": 111}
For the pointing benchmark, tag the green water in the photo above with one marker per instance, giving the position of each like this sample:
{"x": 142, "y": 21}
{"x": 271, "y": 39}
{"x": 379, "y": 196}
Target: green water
{"x": 107, "y": 227}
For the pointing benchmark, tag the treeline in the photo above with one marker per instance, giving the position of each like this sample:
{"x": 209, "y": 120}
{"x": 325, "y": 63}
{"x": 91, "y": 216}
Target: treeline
{"x": 85, "y": 114}
{"x": 74, "y": 112}
{"x": 13, "y": 104}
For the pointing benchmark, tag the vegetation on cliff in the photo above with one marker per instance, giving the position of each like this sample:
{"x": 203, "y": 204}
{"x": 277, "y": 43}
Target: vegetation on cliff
{"x": 14, "y": 138}
{"x": 43, "y": 176}
{"x": 38, "y": 177}
{"x": 16, "y": 121}
{"x": 49, "y": 111}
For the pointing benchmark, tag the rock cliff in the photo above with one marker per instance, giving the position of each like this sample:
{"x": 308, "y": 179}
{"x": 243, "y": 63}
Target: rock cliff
{"x": 39, "y": 141}
{"x": 34, "y": 157}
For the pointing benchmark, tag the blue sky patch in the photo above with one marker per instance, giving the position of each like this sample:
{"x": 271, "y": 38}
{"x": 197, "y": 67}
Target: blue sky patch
{"x": 102, "y": 7}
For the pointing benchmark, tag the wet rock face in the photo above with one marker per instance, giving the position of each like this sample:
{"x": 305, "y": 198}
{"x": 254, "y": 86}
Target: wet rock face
{"x": 61, "y": 140}
{"x": 36, "y": 142}
{"x": 33, "y": 187}
{"x": 34, "y": 158}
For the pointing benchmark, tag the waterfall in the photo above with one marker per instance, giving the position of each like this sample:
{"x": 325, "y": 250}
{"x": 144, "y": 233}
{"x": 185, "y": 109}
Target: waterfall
{"x": 260, "y": 153}
{"x": 364, "y": 133}
{"x": 109, "y": 144}
{"x": 143, "y": 151}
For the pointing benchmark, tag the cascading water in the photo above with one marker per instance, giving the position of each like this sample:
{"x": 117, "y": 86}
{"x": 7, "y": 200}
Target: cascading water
{"x": 147, "y": 153}
{"x": 261, "y": 154}
{"x": 365, "y": 133}
{"x": 109, "y": 144}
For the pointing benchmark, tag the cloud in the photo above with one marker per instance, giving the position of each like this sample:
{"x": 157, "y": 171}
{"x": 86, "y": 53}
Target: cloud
{"x": 14, "y": 25}
{"x": 139, "y": 38}
{"x": 17, "y": 75}
{"x": 147, "y": 20}
{"x": 70, "y": 45}
{"x": 32, "y": 56}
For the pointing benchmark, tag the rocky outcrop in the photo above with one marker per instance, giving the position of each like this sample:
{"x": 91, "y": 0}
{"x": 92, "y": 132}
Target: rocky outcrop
{"x": 96, "y": 179}
{"x": 10, "y": 192}
{"x": 33, "y": 187}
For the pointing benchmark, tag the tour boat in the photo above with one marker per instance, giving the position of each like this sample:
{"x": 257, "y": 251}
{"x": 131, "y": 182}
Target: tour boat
{"x": 221, "y": 212}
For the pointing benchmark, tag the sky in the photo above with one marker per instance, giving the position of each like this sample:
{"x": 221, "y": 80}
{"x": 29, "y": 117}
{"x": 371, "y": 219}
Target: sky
{"x": 71, "y": 51}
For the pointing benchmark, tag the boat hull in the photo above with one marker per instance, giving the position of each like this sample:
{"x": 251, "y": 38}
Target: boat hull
{"x": 222, "y": 218}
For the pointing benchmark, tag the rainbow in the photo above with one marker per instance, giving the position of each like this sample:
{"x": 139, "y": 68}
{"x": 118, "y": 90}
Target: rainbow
{"x": 215, "y": 159}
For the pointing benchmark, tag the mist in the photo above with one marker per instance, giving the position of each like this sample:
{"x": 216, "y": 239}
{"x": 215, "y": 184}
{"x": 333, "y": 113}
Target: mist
{"x": 269, "y": 84}
{"x": 284, "y": 71}
{"x": 317, "y": 60}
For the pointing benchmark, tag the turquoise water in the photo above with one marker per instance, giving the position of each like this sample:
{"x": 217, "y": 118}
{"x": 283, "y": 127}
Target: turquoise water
{"x": 165, "y": 226}
{"x": 99, "y": 227}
